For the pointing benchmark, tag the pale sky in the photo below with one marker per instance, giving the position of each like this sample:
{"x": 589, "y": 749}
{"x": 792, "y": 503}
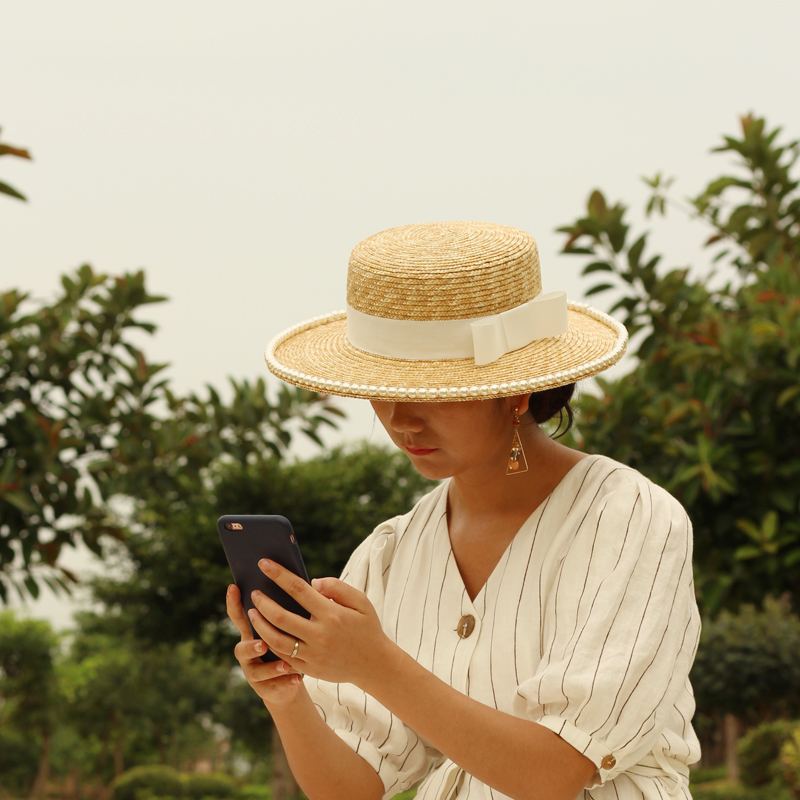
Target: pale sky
{"x": 239, "y": 151}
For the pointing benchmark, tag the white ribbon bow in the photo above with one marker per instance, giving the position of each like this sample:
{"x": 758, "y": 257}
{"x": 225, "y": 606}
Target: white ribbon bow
{"x": 540, "y": 318}
{"x": 484, "y": 338}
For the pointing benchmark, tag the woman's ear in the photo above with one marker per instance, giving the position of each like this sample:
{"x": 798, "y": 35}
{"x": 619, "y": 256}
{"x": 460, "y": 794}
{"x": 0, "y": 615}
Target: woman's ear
{"x": 520, "y": 402}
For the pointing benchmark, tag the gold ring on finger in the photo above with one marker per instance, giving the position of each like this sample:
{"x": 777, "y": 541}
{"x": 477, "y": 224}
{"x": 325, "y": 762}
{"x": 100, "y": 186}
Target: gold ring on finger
{"x": 296, "y": 648}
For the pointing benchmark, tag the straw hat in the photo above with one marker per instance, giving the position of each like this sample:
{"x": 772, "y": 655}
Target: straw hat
{"x": 447, "y": 311}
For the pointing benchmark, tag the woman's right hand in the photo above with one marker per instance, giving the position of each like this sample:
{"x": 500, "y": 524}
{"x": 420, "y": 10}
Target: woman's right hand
{"x": 275, "y": 682}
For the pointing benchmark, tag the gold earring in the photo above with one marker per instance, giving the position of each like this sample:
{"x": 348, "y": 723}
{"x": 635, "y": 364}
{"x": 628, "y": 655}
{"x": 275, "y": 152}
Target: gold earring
{"x": 516, "y": 461}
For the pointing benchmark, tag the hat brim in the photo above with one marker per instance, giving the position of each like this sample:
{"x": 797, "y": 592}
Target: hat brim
{"x": 317, "y": 355}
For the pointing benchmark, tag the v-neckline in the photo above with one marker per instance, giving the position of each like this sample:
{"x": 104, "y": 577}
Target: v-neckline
{"x": 535, "y": 513}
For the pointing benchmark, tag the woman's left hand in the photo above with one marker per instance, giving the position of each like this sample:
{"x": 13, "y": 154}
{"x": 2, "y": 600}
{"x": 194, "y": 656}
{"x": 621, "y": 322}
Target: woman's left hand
{"x": 342, "y": 642}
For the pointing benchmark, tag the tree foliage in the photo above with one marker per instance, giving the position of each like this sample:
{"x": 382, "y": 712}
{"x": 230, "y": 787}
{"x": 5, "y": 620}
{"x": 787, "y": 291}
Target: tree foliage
{"x": 27, "y": 677}
{"x": 159, "y": 780}
{"x": 177, "y": 588}
{"x": 29, "y": 696}
{"x": 18, "y": 152}
{"x": 747, "y": 664}
{"x": 103, "y": 703}
{"x": 137, "y": 702}
{"x": 140, "y": 681}
{"x": 245, "y": 716}
{"x": 85, "y": 416}
{"x": 710, "y": 409}
{"x": 759, "y": 749}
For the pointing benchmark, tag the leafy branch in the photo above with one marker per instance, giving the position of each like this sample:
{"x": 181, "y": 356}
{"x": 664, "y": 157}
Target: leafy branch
{"x": 85, "y": 416}
{"x": 710, "y": 409}
{"x": 19, "y": 152}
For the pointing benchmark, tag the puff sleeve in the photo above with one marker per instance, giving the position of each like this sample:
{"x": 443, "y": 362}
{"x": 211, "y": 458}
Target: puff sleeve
{"x": 620, "y": 630}
{"x": 391, "y": 748}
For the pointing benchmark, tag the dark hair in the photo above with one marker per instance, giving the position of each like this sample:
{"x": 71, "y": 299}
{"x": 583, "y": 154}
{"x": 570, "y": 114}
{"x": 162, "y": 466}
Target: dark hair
{"x": 553, "y": 402}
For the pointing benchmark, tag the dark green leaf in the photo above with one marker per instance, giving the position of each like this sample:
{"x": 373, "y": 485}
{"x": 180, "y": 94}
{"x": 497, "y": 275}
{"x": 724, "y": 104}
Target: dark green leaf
{"x": 10, "y": 190}
{"x": 600, "y": 287}
{"x": 597, "y": 266}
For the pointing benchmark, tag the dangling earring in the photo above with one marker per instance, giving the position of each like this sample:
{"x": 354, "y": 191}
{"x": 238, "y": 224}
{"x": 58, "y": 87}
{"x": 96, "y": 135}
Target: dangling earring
{"x": 516, "y": 461}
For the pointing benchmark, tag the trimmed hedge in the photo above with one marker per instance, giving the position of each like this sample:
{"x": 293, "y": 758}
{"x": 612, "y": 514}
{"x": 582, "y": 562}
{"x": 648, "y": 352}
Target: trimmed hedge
{"x": 759, "y": 749}
{"x": 255, "y": 791}
{"x": 732, "y": 791}
{"x": 199, "y": 785}
{"x": 157, "y": 780}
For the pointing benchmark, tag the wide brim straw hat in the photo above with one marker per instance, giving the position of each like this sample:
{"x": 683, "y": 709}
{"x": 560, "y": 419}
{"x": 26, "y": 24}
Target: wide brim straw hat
{"x": 447, "y": 311}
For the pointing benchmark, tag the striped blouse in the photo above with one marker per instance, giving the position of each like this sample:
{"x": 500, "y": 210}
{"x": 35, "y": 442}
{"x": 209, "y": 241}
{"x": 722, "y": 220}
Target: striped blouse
{"x": 588, "y": 625}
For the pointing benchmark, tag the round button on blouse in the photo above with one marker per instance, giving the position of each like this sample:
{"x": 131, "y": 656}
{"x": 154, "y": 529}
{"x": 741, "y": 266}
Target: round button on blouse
{"x": 466, "y": 625}
{"x": 609, "y": 762}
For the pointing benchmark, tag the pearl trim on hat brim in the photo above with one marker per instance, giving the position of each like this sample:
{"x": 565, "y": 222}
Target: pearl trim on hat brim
{"x": 409, "y": 390}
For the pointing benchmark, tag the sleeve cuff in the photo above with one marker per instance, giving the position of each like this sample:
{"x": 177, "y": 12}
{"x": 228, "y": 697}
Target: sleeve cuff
{"x": 594, "y": 750}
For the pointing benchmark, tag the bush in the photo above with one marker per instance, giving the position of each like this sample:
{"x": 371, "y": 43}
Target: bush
{"x": 759, "y": 750}
{"x": 790, "y": 762}
{"x": 733, "y": 791}
{"x": 748, "y": 664}
{"x": 200, "y": 785}
{"x": 158, "y": 780}
{"x": 706, "y": 774}
{"x": 255, "y": 791}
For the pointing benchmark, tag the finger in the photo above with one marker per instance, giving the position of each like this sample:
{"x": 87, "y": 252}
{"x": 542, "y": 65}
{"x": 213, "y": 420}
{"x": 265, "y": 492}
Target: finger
{"x": 293, "y": 585}
{"x": 258, "y": 671}
{"x": 278, "y": 642}
{"x": 252, "y": 650}
{"x": 341, "y": 593}
{"x": 233, "y": 605}
{"x": 279, "y": 617}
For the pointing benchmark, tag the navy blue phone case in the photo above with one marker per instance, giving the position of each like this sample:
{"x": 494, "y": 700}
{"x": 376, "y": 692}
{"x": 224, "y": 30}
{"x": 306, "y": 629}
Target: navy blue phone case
{"x": 261, "y": 536}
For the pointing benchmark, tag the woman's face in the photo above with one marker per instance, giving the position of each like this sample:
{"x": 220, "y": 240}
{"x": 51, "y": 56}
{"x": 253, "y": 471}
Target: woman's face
{"x": 448, "y": 439}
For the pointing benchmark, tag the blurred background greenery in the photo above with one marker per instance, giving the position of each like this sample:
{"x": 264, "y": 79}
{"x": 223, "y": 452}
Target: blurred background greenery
{"x": 96, "y": 447}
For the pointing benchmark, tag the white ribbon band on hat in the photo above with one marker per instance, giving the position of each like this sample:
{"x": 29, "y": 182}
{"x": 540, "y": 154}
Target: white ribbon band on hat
{"x": 483, "y": 338}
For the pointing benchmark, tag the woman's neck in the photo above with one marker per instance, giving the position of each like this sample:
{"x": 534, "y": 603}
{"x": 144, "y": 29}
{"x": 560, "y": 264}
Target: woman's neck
{"x": 487, "y": 491}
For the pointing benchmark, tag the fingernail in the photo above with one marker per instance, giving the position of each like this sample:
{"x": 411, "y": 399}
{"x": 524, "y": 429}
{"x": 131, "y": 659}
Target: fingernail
{"x": 251, "y": 613}
{"x": 230, "y": 588}
{"x": 265, "y": 563}
{"x": 259, "y": 646}
{"x": 255, "y": 593}
{"x": 296, "y": 679}
{"x": 282, "y": 667}
{"x": 315, "y": 582}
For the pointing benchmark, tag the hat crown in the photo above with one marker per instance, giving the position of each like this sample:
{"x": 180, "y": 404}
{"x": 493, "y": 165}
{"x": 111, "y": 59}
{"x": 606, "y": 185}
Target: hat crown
{"x": 442, "y": 271}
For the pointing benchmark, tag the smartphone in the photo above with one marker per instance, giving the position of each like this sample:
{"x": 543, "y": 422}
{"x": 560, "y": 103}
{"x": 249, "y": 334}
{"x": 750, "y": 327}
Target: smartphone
{"x": 249, "y": 538}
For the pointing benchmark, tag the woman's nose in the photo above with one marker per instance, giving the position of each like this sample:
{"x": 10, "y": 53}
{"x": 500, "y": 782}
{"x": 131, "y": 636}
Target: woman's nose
{"x": 405, "y": 418}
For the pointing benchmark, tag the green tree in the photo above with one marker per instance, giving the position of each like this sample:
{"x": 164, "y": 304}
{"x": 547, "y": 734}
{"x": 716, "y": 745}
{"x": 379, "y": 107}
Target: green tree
{"x": 84, "y": 416}
{"x": 748, "y": 664}
{"x": 710, "y": 408}
{"x": 29, "y": 697}
{"x": 140, "y": 704}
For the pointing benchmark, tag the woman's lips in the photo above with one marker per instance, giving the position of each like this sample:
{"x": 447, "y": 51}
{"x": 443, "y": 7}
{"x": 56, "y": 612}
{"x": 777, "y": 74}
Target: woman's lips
{"x": 420, "y": 451}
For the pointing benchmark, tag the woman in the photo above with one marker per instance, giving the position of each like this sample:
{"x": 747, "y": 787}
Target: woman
{"x": 526, "y": 630}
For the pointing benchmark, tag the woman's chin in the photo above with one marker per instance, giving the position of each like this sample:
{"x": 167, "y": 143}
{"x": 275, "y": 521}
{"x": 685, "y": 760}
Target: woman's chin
{"x": 429, "y": 468}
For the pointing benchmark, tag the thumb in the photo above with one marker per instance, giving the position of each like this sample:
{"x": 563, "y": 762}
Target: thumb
{"x": 340, "y": 592}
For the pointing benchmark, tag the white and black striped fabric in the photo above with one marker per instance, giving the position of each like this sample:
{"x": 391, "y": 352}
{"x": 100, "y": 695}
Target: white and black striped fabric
{"x": 588, "y": 625}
